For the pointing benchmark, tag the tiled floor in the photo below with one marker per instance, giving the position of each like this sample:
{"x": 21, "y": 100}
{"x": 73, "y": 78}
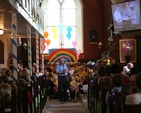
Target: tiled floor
{"x": 74, "y": 106}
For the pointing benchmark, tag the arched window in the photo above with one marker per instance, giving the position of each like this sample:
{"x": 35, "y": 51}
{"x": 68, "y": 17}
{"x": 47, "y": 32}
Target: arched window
{"x": 63, "y": 22}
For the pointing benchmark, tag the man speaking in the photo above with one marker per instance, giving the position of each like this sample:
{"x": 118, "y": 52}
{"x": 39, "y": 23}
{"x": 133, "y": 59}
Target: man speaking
{"x": 62, "y": 72}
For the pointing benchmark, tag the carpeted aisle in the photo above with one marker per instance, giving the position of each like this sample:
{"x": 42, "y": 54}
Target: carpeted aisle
{"x": 74, "y": 106}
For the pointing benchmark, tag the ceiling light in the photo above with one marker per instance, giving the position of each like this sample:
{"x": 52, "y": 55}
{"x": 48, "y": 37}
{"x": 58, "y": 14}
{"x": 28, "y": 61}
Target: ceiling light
{"x": 1, "y": 31}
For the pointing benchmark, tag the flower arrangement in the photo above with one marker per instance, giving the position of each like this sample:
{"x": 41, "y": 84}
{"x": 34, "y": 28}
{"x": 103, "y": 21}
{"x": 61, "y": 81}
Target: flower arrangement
{"x": 127, "y": 46}
{"x": 107, "y": 61}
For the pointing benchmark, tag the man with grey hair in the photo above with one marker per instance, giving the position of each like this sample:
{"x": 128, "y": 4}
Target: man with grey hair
{"x": 130, "y": 65}
{"x": 127, "y": 68}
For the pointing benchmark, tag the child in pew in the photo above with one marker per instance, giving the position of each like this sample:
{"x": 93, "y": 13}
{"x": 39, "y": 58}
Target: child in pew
{"x": 50, "y": 83}
{"x": 74, "y": 84}
{"x": 4, "y": 78}
{"x": 136, "y": 97}
{"x": 127, "y": 89}
{"x": 22, "y": 83}
{"x": 5, "y": 91}
{"x": 105, "y": 83}
{"x": 135, "y": 88}
{"x": 9, "y": 74}
{"x": 14, "y": 88}
{"x": 26, "y": 78}
{"x": 117, "y": 82}
{"x": 26, "y": 72}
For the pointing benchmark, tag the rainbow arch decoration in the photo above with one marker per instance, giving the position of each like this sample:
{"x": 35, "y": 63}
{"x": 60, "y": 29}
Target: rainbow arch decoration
{"x": 68, "y": 54}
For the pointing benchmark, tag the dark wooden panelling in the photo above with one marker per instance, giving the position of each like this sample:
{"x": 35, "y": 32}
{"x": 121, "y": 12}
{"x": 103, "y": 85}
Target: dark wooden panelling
{"x": 92, "y": 20}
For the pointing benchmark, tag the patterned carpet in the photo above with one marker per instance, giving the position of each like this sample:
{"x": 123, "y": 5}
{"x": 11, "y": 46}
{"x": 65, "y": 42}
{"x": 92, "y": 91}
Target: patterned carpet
{"x": 73, "y": 106}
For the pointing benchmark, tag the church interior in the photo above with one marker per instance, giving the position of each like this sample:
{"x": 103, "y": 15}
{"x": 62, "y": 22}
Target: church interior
{"x": 99, "y": 41}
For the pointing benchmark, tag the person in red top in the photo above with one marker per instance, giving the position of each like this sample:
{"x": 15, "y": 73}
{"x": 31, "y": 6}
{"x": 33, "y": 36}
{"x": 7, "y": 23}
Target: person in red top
{"x": 22, "y": 83}
{"x": 116, "y": 69}
{"x": 125, "y": 80}
{"x": 29, "y": 97}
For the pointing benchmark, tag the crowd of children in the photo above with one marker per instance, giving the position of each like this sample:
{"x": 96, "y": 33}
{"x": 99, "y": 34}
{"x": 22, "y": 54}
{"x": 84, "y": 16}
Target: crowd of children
{"x": 112, "y": 80}
{"x": 118, "y": 79}
{"x": 77, "y": 76}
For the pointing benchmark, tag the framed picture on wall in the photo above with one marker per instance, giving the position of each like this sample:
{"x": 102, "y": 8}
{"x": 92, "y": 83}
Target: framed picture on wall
{"x": 93, "y": 37}
{"x": 127, "y": 49}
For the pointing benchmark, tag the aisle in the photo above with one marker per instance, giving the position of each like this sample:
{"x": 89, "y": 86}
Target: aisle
{"x": 54, "y": 106}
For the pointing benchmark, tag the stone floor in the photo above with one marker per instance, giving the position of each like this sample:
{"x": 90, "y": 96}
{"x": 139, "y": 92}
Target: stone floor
{"x": 73, "y": 106}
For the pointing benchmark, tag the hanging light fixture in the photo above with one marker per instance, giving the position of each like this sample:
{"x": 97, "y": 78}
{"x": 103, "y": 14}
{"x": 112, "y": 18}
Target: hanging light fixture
{"x": 100, "y": 44}
{"x": 1, "y": 31}
{"x": 24, "y": 45}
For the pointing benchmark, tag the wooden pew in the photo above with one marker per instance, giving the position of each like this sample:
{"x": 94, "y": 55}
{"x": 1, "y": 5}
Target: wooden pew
{"x": 2, "y": 106}
{"x": 31, "y": 90}
{"x": 116, "y": 105}
{"x": 40, "y": 94}
{"x": 38, "y": 98}
{"x": 44, "y": 89}
{"x": 92, "y": 93}
{"x": 119, "y": 103}
{"x": 103, "y": 95}
{"x": 40, "y": 82}
{"x": 11, "y": 106}
{"x": 35, "y": 98}
{"x": 22, "y": 100}
{"x": 132, "y": 108}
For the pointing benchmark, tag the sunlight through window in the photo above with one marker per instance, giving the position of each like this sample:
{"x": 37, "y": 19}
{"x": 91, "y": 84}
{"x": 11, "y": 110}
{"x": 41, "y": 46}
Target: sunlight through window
{"x": 63, "y": 24}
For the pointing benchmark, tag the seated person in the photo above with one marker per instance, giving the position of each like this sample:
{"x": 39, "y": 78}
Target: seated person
{"x": 74, "y": 84}
{"x": 133, "y": 74}
{"x": 135, "y": 98}
{"x": 135, "y": 89}
{"x": 22, "y": 83}
{"x": 117, "y": 82}
{"x": 127, "y": 89}
{"x": 126, "y": 70}
{"x": 5, "y": 91}
{"x": 8, "y": 73}
{"x": 105, "y": 83}
{"x": 50, "y": 82}
{"x": 4, "y": 78}
{"x": 130, "y": 66}
{"x": 14, "y": 88}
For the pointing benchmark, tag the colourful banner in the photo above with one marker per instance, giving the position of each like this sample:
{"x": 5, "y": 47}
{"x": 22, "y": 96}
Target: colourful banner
{"x": 68, "y": 54}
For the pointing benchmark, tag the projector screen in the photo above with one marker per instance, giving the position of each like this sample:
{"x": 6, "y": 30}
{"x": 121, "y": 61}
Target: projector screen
{"x": 126, "y": 16}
